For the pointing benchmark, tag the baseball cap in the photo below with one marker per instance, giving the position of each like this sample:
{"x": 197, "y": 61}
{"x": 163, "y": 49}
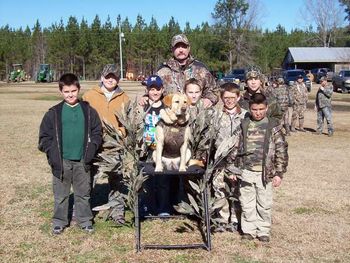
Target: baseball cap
{"x": 253, "y": 72}
{"x": 323, "y": 78}
{"x": 300, "y": 77}
{"x": 181, "y": 38}
{"x": 280, "y": 80}
{"x": 110, "y": 69}
{"x": 154, "y": 81}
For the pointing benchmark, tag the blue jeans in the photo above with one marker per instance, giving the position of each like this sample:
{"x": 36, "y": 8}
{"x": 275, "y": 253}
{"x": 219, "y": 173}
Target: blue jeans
{"x": 324, "y": 113}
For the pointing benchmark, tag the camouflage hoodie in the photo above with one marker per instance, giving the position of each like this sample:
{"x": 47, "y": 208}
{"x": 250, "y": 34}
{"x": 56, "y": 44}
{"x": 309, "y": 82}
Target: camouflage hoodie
{"x": 275, "y": 150}
{"x": 174, "y": 76}
{"x": 324, "y": 97}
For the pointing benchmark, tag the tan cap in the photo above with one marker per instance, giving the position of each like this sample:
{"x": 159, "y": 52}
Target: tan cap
{"x": 181, "y": 38}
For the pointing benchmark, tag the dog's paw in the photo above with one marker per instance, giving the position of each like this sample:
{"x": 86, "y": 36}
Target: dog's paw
{"x": 158, "y": 169}
{"x": 182, "y": 169}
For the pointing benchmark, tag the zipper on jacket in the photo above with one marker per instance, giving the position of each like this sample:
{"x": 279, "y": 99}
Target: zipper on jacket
{"x": 88, "y": 135}
{"x": 58, "y": 145}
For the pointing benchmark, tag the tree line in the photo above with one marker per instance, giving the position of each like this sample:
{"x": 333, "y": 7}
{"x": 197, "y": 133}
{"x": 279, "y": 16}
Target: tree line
{"x": 83, "y": 48}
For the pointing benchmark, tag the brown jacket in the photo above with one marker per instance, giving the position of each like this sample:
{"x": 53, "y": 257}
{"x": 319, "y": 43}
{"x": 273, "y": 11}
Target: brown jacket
{"x": 106, "y": 110}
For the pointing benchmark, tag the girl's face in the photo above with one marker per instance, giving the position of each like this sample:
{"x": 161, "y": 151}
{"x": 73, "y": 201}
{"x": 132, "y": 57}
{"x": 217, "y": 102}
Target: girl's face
{"x": 155, "y": 94}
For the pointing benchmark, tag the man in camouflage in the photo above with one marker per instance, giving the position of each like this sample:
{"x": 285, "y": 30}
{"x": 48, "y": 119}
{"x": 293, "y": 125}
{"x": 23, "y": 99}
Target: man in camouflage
{"x": 255, "y": 80}
{"x": 323, "y": 106}
{"x": 282, "y": 95}
{"x": 182, "y": 66}
{"x": 299, "y": 97}
{"x": 263, "y": 158}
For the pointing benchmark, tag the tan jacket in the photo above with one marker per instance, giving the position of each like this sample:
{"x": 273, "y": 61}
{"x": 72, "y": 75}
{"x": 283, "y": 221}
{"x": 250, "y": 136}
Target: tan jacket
{"x": 106, "y": 109}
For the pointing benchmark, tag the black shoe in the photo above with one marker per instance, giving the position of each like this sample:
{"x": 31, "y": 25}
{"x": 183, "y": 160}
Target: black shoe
{"x": 232, "y": 227}
{"x": 247, "y": 237}
{"x": 219, "y": 228}
{"x": 119, "y": 220}
{"x": 57, "y": 230}
{"x": 264, "y": 239}
{"x": 88, "y": 229}
{"x": 302, "y": 130}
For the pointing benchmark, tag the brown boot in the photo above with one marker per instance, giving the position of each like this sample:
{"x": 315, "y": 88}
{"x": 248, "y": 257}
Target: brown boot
{"x": 301, "y": 125}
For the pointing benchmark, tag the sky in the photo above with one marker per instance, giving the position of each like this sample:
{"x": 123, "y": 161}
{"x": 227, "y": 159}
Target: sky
{"x": 21, "y": 13}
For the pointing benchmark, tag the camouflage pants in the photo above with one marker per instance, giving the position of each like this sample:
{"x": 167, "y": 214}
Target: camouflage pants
{"x": 256, "y": 202}
{"x": 298, "y": 114}
{"x": 224, "y": 188}
{"x": 324, "y": 113}
{"x": 285, "y": 118}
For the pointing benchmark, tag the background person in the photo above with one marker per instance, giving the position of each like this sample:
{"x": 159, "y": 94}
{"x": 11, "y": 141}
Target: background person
{"x": 299, "y": 97}
{"x": 323, "y": 106}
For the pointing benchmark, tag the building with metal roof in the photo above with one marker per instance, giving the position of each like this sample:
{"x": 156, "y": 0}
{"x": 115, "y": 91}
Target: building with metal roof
{"x": 307, "y": 58}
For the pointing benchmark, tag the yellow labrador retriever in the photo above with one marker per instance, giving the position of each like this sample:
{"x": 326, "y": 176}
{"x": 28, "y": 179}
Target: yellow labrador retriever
{"x": 173, "y": 134}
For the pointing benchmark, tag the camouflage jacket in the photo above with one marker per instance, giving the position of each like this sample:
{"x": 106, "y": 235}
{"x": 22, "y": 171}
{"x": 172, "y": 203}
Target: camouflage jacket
{"x": 324, "y": 97}
{"x": 274, "y": 109}
{"x": 299, "y": 95}
{"x": 275, "y": 150}
{"x": 282, "y": 96}
{"x": 174, "y": 76}
{"x": 229, "y": 124}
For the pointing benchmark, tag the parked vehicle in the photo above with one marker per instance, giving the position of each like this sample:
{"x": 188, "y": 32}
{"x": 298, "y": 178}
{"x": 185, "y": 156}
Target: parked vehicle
{"x": 235, "y": 74}
{"x": 322, "y": 72}
{"x": 17, "y": 74}
{"x": 290, "y": 76}
{"x": 342, "y": 81}
{"x": 45, "y": 73}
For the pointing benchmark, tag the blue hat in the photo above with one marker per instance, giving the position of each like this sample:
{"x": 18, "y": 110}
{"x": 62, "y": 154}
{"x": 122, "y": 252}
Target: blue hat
{"x": 154, "y": 81}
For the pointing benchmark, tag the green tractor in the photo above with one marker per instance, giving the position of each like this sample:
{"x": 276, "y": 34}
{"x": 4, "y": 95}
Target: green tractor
{"x": 17, "y": 74}
{"x": 45, "y": 74}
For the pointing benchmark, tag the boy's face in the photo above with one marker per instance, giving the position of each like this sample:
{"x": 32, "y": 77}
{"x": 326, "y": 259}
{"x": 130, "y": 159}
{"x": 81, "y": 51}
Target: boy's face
{"x": 254, "y": 84}
{"x": 109, "y": 82}
{"x": 194, "y": 93}
{"x": 230, "y": 99}
{"x": 258, "y": 111}
{"x": 155, "y": 94}
{"x": 70, "y": 94}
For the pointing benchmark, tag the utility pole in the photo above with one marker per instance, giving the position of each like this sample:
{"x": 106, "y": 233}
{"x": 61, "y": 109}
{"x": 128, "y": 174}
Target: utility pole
{"x": 121, "y": 38}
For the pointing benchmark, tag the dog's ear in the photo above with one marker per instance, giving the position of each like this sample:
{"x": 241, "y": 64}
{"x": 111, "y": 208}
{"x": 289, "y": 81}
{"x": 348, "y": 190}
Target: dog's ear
{"x": 168, "y": 100}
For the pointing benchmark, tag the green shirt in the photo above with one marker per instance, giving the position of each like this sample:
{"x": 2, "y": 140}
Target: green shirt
{"x": 255, "y": 144}
{"x": 73, "y": 122}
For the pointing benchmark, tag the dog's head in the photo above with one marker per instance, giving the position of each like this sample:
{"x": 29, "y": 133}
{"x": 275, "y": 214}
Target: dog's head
{"x": 178, "y": 104}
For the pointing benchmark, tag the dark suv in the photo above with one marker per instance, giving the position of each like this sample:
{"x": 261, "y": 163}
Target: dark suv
{"x": 322, "y": 72}
{"x": 291, "y": 75}
{"x": 235, "y": 74}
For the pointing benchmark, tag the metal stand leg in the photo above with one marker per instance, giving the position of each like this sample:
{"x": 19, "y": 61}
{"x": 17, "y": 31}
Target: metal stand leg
{"x": 137, "y": 224}
{"x": 207, "y": 217}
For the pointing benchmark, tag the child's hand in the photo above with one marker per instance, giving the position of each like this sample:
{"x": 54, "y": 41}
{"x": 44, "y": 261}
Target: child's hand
{"x": 207, "y": 103}
{"x": 276, "y": 181}
{"x": 143, "y": 101}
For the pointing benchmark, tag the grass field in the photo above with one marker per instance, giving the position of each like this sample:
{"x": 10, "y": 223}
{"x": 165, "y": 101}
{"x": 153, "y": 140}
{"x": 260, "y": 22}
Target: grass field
{"x": 311, "y": 214}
